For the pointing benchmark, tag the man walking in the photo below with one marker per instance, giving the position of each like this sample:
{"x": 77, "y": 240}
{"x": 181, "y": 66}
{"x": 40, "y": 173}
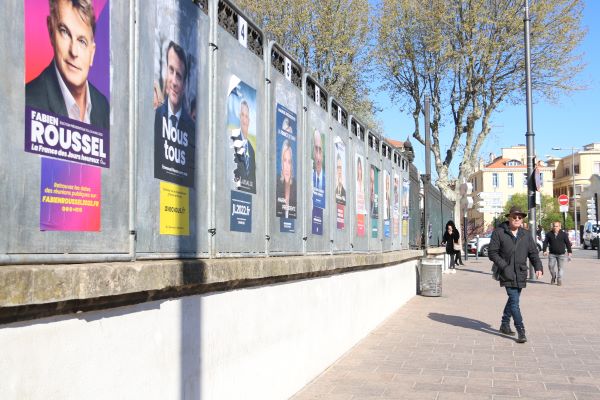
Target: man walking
{"x": 558, "y": 241}
{"x": 510, "y": 247}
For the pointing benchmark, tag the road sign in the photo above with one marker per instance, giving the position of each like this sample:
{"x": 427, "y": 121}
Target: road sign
{"x": 563, "y": 200}
{"x": 564, "y": 208}
{"x": 490, "y": 195}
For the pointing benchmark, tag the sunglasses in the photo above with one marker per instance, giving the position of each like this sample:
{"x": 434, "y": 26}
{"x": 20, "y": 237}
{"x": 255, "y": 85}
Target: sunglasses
{"x": 516, "y": 216}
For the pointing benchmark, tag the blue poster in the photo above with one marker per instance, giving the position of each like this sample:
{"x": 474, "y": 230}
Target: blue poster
{"x": 285, "y": 189}
{"x": 317, "y": 221}
{"x": 386, "y": 228}
{"x": 287, "y": 225}
{"x": 241, "y": 212}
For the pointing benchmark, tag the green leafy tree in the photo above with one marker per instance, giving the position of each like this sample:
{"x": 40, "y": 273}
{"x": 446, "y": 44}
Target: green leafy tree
{"x": 548, "y": 211}
{"x": 330, "y": 38}
{"x": 468, "y": 56}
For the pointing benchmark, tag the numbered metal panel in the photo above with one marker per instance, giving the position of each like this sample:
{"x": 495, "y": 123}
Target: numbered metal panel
{"x": 341, "y": 197}
{"x": 66, "y": 191}
{"x": 240, "y": 137}
{"x": 286, "y": 142}
{"x": 172, "y": 199}
{"x": 360, "y": 186}
{"x": 405, "y": 204}
{"x": 375, "y": 191}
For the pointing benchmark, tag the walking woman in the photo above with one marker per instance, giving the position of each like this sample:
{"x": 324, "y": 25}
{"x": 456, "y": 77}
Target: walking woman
{"x": 450, "y": 237}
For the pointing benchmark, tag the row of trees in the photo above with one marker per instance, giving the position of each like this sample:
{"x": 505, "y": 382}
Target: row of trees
{"x": 467, "y": 55}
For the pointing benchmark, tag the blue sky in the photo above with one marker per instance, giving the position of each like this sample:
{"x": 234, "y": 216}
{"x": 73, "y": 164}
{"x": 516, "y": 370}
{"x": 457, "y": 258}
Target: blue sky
{"x": 572, "y": 122}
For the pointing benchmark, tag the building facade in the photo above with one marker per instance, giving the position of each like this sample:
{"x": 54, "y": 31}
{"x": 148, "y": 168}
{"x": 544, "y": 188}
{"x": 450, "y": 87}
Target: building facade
{"x": 586, "y": 162}
{"x": 497, "y": 181}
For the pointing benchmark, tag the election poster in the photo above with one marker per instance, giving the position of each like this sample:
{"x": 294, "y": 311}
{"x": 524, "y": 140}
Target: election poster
{"x": 404, "y": 203}
{"x": 240, "y": 219}
{"x": 318, "y": 169}
{"x": 359, "y": 185}
{"x": 396, "y": 207}
{"x": 174, "y": 91}
{"x": 387, "y": 203}
{"x": 286, "y": 205}
{"x": 67, "y": 81}
{"x": 174, "y": 209}
{"x": 374, "y": 200}
{"x": 241, "y": 135}
{"x": 70, "y": 196}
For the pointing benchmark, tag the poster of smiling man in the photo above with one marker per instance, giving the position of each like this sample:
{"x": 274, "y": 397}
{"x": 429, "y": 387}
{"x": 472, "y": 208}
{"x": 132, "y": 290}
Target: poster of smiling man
{"x": 174, "y": 91}
{"x": 67, "y": 80}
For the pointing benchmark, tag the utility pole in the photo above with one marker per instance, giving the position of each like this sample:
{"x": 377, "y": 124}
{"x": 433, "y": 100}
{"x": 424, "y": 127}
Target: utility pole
{"x": 529, "y": 135}
{"x": 426, "y": 178}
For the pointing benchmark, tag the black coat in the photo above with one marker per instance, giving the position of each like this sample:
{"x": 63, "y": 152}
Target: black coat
{"x": 450, "y": 239}
{"x": 44, "y": 93}
{"x": 513, "y": 267}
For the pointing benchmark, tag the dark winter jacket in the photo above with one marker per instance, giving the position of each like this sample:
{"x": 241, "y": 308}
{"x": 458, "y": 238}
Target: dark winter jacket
{"x": 558, "y": 242}
{"x": 450, "y": 239}
{"x": 510, "y": 254}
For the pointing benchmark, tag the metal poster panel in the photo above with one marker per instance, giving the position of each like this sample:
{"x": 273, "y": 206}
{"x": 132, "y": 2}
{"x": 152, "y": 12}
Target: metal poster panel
{"x": 387, "y": 203}
{"x": 70, "y": 196}
{"x": 360, "y": 195}
{"x": 340, "y": 181}
{"x": 374, "y": 199}
{"x": 174, "y": 209}
{"x": 396, "y": 208}
{"x": 67, "y": 81}
{"x": 174, "y": 93}
{"x": 286, "y": 156}
{"x": 240, "y": 219}
{"x": 241, "y": 129}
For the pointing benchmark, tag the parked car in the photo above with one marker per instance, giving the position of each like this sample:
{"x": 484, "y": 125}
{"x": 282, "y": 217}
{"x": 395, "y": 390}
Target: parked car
{"x": 484, "y": 243}
{"x": 591, "y": 230}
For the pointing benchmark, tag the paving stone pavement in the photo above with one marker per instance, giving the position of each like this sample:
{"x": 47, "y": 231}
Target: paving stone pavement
{"x": 448, "y": 347}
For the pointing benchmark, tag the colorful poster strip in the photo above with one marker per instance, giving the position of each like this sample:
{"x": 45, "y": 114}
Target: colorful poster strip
{"x": 70, "y": 196}
{"x": 174, "y": 209}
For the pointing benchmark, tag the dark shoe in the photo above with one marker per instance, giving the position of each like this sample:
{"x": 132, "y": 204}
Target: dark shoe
{"x": 559, "y": 282}
{"x": 521, "y": 338}
{"x": 505, "y": 328}
{"x": 553, "y": 281}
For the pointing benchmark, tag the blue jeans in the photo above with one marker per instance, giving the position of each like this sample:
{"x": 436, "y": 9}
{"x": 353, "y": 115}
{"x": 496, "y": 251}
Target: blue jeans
{"x": 512, "y": 308}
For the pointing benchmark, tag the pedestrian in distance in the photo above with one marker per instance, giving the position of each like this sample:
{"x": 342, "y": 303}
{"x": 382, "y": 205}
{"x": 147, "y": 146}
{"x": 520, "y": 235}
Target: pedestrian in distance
{"x": 559, "y": 243}
{"x": 450, "y": 237}
{"x": 510, "y": 247}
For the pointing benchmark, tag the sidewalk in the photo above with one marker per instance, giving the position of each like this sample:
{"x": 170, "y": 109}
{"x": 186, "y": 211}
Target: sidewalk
{"x": 449, "y": 348}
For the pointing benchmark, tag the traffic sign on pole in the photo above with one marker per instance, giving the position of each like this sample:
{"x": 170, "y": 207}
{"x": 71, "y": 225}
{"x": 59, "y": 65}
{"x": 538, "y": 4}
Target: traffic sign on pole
{"x": 563, "y": 200}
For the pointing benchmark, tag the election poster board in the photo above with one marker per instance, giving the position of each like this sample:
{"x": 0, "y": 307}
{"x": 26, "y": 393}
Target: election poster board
{"x": 318, "y": 181}
{"x": 387, "y": 204}
{"x": 405, "y": 207}
{"x": 174, "y": 92}
{"x": 286, "y": 204}
{"x": 396, "y": 208}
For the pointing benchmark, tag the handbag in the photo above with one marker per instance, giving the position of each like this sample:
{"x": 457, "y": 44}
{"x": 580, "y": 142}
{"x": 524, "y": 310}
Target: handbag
{"x": 456, "y": 246}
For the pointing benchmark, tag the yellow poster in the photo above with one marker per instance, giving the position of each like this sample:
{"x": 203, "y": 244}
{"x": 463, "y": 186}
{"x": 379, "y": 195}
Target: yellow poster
{"x": 404, "y": 227}
{"x": 174, "y": 209}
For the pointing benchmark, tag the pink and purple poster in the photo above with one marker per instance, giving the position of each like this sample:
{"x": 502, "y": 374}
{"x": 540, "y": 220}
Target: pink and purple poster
{"x": 67, "y": 80}
{"x": 70, "y": 196}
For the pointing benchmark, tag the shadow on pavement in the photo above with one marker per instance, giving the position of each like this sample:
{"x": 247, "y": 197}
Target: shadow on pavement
{"x": 529, "y": 281}
{"x": 469, "y": 323}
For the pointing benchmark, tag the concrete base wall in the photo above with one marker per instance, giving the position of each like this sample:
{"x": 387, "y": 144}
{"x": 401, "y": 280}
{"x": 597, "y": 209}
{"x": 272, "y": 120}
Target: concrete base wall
{"x": 265, "y": 342}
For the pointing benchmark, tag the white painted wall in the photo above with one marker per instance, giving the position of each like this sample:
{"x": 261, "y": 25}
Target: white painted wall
{"x": 260, "y": 343}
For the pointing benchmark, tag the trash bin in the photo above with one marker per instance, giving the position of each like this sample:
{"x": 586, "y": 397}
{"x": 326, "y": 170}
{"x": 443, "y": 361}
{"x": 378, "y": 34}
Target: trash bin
{"x": 431, "y": 277}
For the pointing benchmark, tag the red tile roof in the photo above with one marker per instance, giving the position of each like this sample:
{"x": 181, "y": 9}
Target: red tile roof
{"x": 501, "y": 163}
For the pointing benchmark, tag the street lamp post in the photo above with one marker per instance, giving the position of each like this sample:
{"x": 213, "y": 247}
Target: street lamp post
{"x": 574, "y": 193}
